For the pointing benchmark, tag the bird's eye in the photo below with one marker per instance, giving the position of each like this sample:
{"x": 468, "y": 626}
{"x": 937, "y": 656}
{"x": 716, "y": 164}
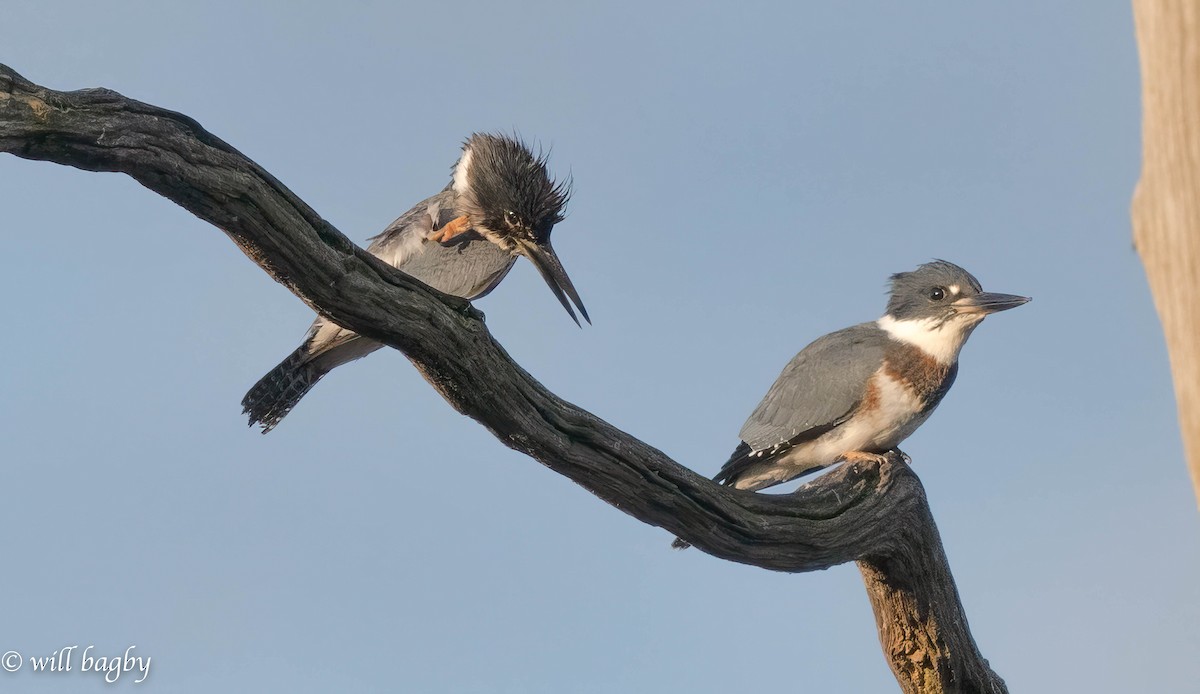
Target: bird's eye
{"x": 937, "y": 293}
{"x": 511, "y": 218}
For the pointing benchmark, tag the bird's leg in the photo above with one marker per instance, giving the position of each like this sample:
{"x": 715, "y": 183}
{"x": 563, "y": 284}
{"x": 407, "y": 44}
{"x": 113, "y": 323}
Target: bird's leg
{"x": 451, "y": 229}
{"x": 864, "y": 457}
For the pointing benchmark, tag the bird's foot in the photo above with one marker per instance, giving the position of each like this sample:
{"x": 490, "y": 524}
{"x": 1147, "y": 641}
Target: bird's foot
{"x": 451, "y": 229}
{"x": 864, "y": 457}
{"x": 471, "y": 312}
{"x": 903, "y": 456}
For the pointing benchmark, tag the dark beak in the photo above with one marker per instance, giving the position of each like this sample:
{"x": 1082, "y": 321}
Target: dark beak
{"x": 544, "y": 259}
{"x": 989, "y": 302}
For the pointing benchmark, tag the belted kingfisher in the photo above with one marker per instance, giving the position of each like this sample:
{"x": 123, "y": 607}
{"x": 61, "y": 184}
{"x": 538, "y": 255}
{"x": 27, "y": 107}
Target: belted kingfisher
{"x": 857, "y": 393}
{"x": 500, "y": 203}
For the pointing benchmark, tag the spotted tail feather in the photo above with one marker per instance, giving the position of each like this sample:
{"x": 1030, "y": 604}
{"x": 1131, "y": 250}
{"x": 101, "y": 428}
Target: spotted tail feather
{"x": 275, "y": 394}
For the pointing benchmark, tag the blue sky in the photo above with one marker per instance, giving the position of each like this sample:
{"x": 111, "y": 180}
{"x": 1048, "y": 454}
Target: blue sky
{"x": 746, "y": 179}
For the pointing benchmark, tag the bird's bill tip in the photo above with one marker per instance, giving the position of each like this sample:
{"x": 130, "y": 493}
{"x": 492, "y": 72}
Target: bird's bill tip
{"x": 550, "y": 268}
{"x": 990, "y": 302}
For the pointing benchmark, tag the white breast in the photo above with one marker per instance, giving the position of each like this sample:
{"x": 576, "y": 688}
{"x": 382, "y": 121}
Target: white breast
{"x": 941, "y": 340}
{"x": 893, "y": 418}
{"x": 897, "y": 416}
{"x": 882, "y": 428}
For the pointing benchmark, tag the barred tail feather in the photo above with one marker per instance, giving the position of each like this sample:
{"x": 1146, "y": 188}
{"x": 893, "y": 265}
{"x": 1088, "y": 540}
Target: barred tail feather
{"x": 736, "y": 466}
{"x": 275, "y": 394}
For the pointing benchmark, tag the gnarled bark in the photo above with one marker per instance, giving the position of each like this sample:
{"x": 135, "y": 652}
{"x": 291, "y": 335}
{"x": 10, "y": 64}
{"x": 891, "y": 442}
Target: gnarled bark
{"x": 1166, "y": 203}
{"x": 876, "y": 514}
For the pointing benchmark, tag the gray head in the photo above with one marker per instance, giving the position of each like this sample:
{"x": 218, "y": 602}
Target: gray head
{"x": 941, "y": 291}
{"x": 514, "y": 203}
{"x": 937, "y": 306}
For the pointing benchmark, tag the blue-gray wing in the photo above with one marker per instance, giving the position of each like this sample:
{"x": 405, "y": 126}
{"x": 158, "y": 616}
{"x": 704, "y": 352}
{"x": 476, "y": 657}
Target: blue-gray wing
{"x": 818, "y": 389}
{"x": 468, "y": 266}
{"x": 405, "y": 237}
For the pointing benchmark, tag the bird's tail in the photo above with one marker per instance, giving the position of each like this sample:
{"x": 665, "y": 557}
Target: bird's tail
{"x": 277, "y": 393}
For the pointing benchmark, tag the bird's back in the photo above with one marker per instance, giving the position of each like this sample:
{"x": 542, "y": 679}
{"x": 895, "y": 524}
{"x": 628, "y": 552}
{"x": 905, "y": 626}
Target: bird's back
{"x": 818, "y": 390}
{"x": 818, "y": 387}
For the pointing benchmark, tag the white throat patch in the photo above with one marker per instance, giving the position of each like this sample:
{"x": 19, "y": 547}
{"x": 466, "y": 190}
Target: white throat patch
{"x": 943, "y": 344}
{"x": 460, "y": 171}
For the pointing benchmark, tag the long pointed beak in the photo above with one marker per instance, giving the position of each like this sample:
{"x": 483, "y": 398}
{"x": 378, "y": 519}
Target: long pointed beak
{"x": 989, "y": 302}
{"x": 547, "y": 263}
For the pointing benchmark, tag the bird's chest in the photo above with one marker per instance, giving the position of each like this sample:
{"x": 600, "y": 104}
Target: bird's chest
{"x": 902, "y": 394}
{"x": 468, "y": 266}
{"x": 890, "y": 412}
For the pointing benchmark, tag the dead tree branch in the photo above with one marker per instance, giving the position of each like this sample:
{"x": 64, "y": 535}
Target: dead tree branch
{"x": 1166, "y": 203}
{"x": 874, "y": 514}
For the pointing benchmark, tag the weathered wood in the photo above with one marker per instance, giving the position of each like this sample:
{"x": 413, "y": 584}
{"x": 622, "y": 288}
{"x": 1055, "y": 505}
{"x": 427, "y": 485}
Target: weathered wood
{"x": 911, "y": 621}
{"x": 1166, "y": 202}
{"x": 874, "y": 512}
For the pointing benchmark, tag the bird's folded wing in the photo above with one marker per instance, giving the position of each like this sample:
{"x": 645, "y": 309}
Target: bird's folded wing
{"x": 818, "y": 389}
{"x": 405, "y": 237}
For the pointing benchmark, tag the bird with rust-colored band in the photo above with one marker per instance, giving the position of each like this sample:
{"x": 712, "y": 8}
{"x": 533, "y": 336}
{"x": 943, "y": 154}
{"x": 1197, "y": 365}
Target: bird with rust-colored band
{"x": 857, "y": 393}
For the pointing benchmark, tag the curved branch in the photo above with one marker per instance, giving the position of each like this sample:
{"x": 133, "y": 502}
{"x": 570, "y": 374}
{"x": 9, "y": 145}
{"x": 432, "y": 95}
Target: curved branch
{"x": 874, "y": 513}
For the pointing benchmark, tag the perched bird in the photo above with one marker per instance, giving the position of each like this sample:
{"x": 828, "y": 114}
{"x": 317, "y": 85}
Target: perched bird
{"x": 500, "y": 203}
{"x": 857, "y": 393}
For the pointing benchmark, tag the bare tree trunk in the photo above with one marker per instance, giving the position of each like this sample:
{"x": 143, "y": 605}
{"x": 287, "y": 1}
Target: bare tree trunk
{"x": 1166, "y": 203}
{"x": 876, "y": 514}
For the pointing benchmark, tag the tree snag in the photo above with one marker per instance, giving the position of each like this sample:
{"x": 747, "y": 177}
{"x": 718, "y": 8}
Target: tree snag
{"x": 875, "y": 514}
{"x": 1166, "y": 202}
